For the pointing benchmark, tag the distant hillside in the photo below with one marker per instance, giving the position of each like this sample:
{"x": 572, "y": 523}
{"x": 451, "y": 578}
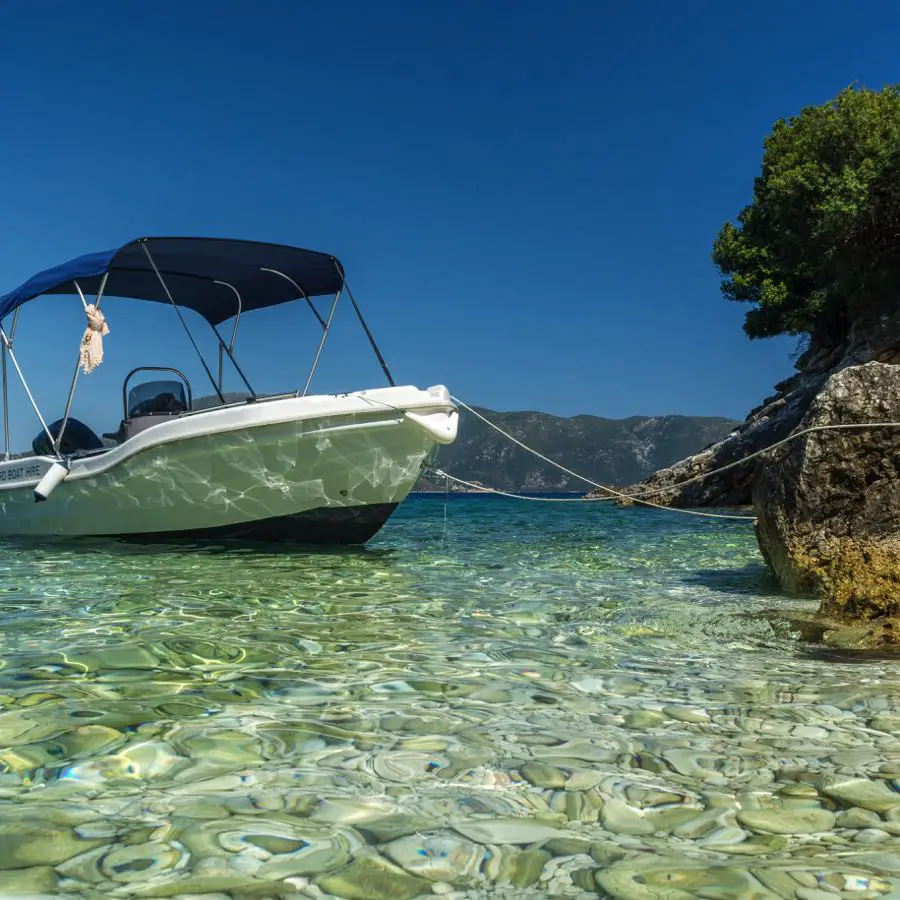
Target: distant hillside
{"x": 611, "y": 451}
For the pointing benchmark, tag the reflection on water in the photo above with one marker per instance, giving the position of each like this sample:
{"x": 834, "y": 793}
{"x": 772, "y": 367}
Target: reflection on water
{"x": 541, "y": 701}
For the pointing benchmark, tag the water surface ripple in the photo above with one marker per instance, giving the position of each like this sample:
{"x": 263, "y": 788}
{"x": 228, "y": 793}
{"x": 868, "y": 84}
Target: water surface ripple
{"x": 533, "y": 701}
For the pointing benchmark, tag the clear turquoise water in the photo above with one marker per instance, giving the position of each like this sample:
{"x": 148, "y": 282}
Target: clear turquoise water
{"x": 522, "y": 700}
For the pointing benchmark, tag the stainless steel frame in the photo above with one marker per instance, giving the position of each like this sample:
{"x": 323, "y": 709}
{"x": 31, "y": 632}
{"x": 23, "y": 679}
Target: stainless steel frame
{"x": 8, "y": 345}
{"x": 300, "y": 290}
{"x": 234, "y": 362}
{"x": 58, "y": 443}
{"x": 3, "y": 351}
{"x": 327, "y": 329}
{"x": 6, "y": 348}
{"x": 229, "y": 348}
{"x": 187, "y": 330}
{"x": 362, "y": 321}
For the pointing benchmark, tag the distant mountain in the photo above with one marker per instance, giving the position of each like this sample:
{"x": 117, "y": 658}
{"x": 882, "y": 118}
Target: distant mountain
{"x": 610, "y": 451}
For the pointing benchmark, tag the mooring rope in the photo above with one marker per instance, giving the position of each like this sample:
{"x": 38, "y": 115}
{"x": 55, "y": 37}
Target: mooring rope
{"x": 612, "y": 491}
{"x": 538, "y": 499}
{"x": 533, "y": 499}
{"x": 862, "y": 426}
{"x": 638, "y": 496}
{"x": 440, "y": 473}
{"x": 651, "y": 492}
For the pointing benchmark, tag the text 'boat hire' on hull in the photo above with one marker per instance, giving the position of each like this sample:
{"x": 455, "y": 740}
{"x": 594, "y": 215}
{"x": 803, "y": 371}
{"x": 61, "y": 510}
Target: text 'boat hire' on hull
{"x": 295, "y": 467}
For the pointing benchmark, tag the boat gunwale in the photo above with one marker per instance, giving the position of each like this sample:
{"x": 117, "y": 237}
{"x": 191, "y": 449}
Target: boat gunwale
{"x": 375, "y": 412}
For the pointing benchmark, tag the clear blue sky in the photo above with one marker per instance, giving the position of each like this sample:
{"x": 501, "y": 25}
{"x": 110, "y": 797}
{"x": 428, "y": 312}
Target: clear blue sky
{"x": 524, "y": 194}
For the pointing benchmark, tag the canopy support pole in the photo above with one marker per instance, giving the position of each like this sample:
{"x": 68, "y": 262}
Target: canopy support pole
{"x": 229, "y": 348}
{"x": 315, "y": 363}
{"x": 362, "y": 321}
{"x": 187, "y": 331}
{"x": 237, "y": 317}
{"x": 8, "y": 345}
{"x": 300, "y": 290}
{"x": 5, "y": 406}
{"x": 65, "y": 420}
{"x": 223, "y": 347}
{"x": 3, "y": 352}
{"x": 81, "y": 293}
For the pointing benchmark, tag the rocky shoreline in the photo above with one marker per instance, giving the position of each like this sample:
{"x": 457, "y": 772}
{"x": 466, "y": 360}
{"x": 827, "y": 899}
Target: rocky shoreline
{"x": 828, "y": 504}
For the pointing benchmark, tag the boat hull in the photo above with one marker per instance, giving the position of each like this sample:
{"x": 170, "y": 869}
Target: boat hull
{"x": 311, "y": 470}
{"x": 323, "y": 525}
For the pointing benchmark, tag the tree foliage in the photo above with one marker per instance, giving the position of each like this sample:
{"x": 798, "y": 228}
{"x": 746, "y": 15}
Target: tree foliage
{"x": 819, "y": 245}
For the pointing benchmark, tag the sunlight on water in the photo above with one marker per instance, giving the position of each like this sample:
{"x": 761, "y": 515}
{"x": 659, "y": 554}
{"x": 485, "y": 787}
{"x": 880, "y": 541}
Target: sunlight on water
{"x": 538, "y": 701}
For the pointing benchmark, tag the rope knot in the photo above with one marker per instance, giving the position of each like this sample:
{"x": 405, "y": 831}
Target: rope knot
{"x": 92, "y": 340}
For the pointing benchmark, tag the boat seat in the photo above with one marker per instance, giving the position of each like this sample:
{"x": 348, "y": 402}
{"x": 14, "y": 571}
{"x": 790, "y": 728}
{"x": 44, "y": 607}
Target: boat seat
{"x": 148, "y": 413}
{"x": 77, "y": 438}
{"x": 133, "y": 425}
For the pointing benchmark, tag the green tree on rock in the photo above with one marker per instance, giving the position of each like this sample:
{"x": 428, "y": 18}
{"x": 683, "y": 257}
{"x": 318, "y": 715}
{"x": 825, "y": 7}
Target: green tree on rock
{"x": 819, "y": 245}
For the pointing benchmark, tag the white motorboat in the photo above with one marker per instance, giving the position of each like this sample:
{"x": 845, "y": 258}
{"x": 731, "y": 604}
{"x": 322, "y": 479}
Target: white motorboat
{"x": 294, "y": 467}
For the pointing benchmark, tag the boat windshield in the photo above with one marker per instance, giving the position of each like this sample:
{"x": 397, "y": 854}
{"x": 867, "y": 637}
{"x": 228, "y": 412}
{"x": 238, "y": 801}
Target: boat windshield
{"x": 156, "y": 397}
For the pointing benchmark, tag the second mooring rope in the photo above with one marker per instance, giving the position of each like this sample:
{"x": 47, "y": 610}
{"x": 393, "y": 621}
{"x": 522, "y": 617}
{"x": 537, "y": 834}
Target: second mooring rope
{"x": 611, "y": 491}
{"x": 537, "y": 499}
{"x": 639, "y": 496}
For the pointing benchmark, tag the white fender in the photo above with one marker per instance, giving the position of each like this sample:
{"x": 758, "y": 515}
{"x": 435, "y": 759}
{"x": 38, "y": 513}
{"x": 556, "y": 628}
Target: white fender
{"x": 53, "y": 477}
{"x": 441, "y": 426}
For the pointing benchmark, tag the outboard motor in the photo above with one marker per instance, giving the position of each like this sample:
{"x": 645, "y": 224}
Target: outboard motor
{"x": 77, "y": 438}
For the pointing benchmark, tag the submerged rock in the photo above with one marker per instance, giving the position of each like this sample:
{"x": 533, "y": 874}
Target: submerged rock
{"x": 828, "y": 504}
{"x": 506, "y": 831}
{"x": 38, "y": 843}
{"x": 544, "y": 776}
{"x": 679, "y": 878}
{"x": 864, "y": 793}
{"x": 235, "y": 885}
{"x": 778, "y": 820}
{"x": 373, "y": 878}
{"x": 437, "y": 857}
{"x": 28, "y": 882}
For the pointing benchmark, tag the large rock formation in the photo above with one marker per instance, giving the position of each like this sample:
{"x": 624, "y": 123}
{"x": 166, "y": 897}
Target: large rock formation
{"x": 828, "y": 503}
{"x": 868, "y": 340}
